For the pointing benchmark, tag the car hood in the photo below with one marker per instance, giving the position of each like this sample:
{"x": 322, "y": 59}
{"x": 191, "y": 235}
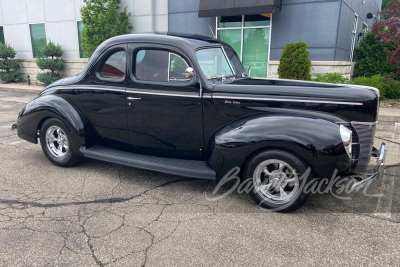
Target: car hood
{"x": 299, "y": 89}
{"x": 346, "y": 102}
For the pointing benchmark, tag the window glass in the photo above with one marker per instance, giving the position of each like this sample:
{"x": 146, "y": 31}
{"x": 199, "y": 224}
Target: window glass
{"x": 2, "y": 35}
{"x": 80, "y": 29}
{"x": 38, "y": 37}
{"x": 255, "y": 51}
{"x": 230, "y": 21}
{"x": 235, "y": 61}
{"x": 152, "y": 65}
{"x": 177, "y": 67}
{"x": 114, "y": 66}
{"x": 232, "y": 38}
{"x": 257, "y": 20}
{"x": 213, "y": 63}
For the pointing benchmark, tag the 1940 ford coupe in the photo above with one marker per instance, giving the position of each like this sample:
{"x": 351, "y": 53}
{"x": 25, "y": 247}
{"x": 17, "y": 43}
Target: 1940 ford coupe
{"x": 184, "y": 105}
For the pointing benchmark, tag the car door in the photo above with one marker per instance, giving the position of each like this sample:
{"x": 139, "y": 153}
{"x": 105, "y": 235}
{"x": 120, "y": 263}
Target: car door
{"x": 101, "y": 98}
{"x": 164, "y": 108}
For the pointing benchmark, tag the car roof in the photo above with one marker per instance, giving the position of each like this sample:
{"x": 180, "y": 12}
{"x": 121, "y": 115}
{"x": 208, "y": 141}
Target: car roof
{"x": 190, "y": 41}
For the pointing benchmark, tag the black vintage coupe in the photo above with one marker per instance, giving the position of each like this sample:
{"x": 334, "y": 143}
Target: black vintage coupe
{"x": 184, "y": 105}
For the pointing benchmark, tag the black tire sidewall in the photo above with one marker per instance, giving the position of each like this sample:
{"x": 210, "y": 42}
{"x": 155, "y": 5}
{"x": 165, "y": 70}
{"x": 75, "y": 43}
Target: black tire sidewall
{"x": 71, "y": 157}
{"x": 295, "y": 162}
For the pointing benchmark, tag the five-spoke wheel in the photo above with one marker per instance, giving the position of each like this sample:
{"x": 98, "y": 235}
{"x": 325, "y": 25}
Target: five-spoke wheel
{"x": 277, "y": 176}
{"x": 57, "y": 144}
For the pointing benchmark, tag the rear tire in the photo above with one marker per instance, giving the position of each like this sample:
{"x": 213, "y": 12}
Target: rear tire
{"x": 57, "y": 144}
{"x": 278, "y": 180}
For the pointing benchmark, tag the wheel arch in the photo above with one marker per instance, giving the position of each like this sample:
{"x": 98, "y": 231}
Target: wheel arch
{"x": 36, "y": 112}
{"x": 316, "y": 141}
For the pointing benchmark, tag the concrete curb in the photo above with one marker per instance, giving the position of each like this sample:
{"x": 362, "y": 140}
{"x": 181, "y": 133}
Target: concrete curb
{"x": 385, "y": 114}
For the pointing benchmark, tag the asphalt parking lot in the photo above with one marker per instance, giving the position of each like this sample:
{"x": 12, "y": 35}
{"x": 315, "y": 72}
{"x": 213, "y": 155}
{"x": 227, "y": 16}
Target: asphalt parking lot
{"x": 103, "y": 214}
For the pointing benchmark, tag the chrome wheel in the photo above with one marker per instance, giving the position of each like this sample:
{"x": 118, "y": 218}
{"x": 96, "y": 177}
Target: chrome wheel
{"x": 57, "y": 141}
{"x": 276, "y": 181}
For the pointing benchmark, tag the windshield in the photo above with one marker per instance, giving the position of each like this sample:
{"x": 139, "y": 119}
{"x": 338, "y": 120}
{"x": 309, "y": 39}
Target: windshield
{"x": 214, "y": 63}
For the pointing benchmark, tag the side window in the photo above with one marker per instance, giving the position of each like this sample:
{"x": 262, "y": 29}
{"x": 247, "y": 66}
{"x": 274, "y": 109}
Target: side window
{"x": 177, "y": 67}
{"x": 114, "y": 66}
{"x": 159, "y": 65}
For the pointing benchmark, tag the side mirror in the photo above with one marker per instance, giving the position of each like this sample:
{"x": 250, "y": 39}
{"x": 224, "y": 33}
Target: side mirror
{"x": 189, "y": 73}
{"x": 249, "y": 70}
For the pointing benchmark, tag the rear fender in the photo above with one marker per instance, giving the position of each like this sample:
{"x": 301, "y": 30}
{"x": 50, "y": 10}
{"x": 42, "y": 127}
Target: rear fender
{"x": 42, "y": 108}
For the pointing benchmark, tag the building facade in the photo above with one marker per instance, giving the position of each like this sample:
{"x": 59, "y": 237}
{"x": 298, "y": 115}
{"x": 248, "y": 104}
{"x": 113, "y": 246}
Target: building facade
{"x": 331, "y": 28}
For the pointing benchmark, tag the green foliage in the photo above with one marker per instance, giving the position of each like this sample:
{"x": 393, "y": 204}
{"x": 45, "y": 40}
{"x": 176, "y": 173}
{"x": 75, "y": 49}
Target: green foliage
{"x": 52, "y": 50}
{"x": 389, "y": 88}
{"x": 295, "y": 62}
{"x": 102, "y": 20}
{"x": 48, "y": 77}
{"x": 331, "y": 78}
{"x": 55, "y": 64}
{"x": 371, "y": 59}
{"x": 52, "y": 61}
{"x": 8, "y": 65}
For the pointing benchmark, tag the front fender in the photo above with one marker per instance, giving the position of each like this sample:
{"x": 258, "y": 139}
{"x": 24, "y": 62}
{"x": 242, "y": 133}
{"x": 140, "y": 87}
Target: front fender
{"x": 50, "y": 106}
{"x": 316, "y": 141}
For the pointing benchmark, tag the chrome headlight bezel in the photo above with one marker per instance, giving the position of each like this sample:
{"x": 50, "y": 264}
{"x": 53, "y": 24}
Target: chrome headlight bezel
{"x": 347, "y": 138}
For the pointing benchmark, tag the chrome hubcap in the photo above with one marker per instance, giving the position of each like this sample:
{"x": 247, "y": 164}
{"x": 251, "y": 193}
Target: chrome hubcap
{"x": 57, "y": 141}
{"x": 276, "y": 181}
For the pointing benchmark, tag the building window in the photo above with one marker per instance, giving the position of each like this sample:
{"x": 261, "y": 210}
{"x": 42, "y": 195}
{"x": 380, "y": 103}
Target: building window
{"x": 81, "y": 50}
{"x": 353, "y": 37}
{"x": 365, "y": 27}
{"x": 38, "y": 37}
{"x": 249, "y": 35}
{"x": 2, "y": 35}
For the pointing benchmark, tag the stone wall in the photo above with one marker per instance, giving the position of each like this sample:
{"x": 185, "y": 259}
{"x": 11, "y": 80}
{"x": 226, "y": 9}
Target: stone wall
{"x": 72, "y": 67}
{"x": 319, "y": 67}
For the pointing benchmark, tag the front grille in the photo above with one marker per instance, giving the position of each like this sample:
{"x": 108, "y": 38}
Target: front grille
{"x": 365, "y": 133}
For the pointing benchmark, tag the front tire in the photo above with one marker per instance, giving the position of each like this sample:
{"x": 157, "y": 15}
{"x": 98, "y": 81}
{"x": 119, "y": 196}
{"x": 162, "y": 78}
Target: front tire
{"x": 57, "y": 144}
{"x": 278, "y": 179}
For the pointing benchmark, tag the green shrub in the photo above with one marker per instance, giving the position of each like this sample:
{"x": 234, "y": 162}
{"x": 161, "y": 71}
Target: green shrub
{"x": 371, "y": 59}
{"x": 51, "y": 61}
{"x": 389, "y": 88}
{"x": 9, "y": 67}
{"x": 295, "y": 62}
{"x": 48, "y": 77}
{"x": 331, "y": 78}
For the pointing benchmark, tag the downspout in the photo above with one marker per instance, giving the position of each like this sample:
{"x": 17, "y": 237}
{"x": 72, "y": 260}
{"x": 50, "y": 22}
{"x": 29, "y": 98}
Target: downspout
{"x": 153, "y": 16}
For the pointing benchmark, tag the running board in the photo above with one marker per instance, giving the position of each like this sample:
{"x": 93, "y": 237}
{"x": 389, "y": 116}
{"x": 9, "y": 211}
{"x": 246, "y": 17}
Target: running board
{"x": 181, "y": 167}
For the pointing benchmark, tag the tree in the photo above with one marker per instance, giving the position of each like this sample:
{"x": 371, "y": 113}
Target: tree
{"x": 371, "y": 59}
{"x": 390, "y": 8}
{"x": 387, "y": 31}
{"x": 295, "y": 62}
{"x": 102, "y": 21}
{"x": 51, "y": 61}
{"x": 9, "y": 66}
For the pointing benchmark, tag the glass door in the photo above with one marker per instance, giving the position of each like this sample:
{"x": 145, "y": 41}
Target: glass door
{"x": 250, "y": 37}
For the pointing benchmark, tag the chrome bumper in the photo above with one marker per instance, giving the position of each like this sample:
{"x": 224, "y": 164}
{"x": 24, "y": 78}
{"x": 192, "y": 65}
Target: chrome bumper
{"x": 378, "y": 169}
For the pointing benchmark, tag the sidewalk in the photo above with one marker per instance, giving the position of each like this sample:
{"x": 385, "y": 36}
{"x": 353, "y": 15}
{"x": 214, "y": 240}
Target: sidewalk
{"x": 21, "y": 88}
{"x": 385, "y": 114}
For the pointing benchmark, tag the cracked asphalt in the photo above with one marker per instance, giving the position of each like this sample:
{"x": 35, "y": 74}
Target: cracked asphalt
{"x": 100, "y": 214}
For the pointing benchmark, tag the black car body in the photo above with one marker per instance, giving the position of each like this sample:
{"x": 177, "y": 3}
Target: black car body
{"x": 128, "y": 107}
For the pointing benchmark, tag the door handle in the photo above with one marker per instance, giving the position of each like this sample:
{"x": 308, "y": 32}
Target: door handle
{"x": 133, "y": 98}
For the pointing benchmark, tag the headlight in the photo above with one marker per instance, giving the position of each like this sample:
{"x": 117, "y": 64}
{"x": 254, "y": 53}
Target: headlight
{"x": 346, "y": 135}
